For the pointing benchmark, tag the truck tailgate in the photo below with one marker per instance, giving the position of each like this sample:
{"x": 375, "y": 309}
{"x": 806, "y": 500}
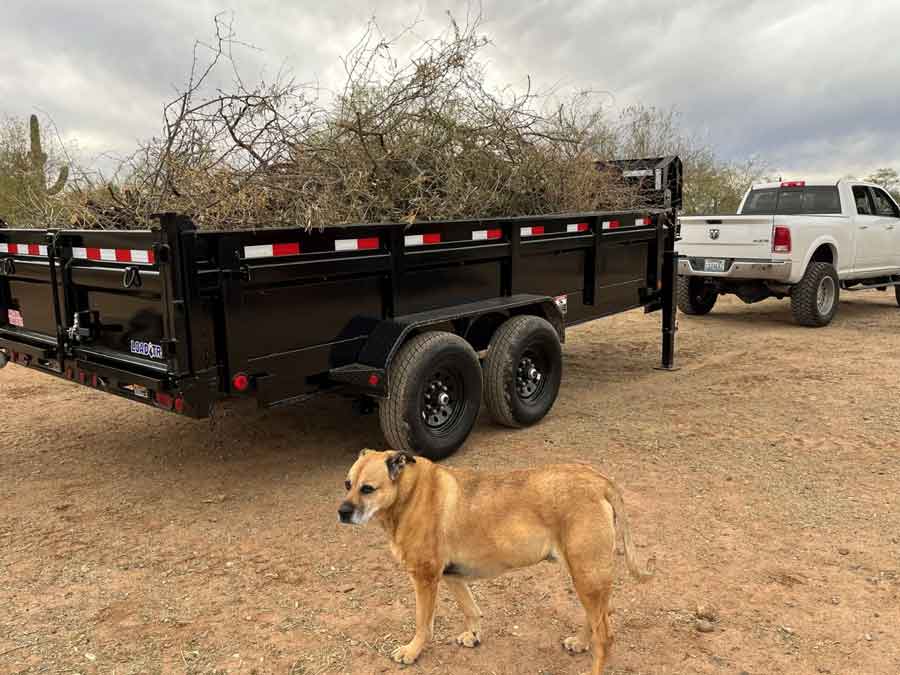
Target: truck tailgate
{"x": 736, "y": 237}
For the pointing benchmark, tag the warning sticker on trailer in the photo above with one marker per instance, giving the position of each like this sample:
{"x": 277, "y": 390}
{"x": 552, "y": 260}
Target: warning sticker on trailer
{"x": 15, "y": 318}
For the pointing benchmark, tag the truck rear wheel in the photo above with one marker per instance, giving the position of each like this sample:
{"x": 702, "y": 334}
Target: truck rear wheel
{"x": 696, "y": 296}
{"x": 522, "y": 371}
{"x": 814, "y": 300}
{"x": 435, "y": 394}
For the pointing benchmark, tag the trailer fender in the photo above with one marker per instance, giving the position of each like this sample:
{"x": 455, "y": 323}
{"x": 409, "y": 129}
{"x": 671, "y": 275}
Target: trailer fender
{"x": 370, "y": 373}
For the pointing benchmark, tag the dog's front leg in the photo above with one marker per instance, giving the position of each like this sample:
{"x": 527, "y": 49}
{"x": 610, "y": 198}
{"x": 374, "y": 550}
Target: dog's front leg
{"x": 426, "y": 599}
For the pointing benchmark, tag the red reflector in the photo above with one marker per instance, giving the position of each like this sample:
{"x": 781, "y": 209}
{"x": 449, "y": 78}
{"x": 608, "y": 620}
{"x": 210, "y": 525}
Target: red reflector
{"x": 34, "y": 249}
{"x": 240, "y": 382}
{"x": 648, "y": 221}
{"x": 164, "y": 400}
{"x": 82, "y": 377}
{"x": 367, "y": 243}
{"x": 151, "y": 257}
{"x": 123, "y": 255}
{"x": 432, "y": 238}
{"x": 781, "y": 241}
{"x": 94, "y": 380}
{"x": 286, "y": 249}
{"x": 179, "y": 405}
{"x": 374, "y": 380}
{"x": 794, "y": 183}
{"x": 494, "y": 234}
{"x": 93, "y": 253}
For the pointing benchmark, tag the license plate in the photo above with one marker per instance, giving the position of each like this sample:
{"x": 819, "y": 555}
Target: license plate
{"x": 713, "y": 265}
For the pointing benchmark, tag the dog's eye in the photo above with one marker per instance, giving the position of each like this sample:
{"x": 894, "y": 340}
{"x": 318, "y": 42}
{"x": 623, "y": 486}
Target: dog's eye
{"x": 367, "y": 489}
{"x": 347, "y": 484}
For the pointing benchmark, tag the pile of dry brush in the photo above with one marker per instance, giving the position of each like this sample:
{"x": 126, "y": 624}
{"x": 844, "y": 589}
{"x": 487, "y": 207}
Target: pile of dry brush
{"x": 424, "y": 139}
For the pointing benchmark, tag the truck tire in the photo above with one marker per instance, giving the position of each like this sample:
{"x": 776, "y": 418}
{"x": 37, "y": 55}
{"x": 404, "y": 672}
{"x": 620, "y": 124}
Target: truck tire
{"x": 522, "y": 371}
{"x": 696, "y": 297}
{"x": 814, "y": 300}
{"x": 434, "y": 395}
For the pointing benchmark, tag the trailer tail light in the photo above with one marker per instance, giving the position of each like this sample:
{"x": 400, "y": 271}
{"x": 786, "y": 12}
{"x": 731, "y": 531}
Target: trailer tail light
{"x": 374, "y": 379}
{"x": 179, "y": 405}
{"x": 481, "y": 235}
{"x": 781, "y": 241}
{"x": 794, "y": 183}
{"x": 240, "y": 382}
{"x": 164, "y": 401}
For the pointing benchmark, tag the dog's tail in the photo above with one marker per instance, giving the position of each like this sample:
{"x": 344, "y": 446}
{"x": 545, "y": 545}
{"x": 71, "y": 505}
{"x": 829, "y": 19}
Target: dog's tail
{"x": 614, "y": 497}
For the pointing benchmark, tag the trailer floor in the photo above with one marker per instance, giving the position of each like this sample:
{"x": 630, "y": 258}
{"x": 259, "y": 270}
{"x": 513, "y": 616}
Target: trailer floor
{"x": 764, "y": 476}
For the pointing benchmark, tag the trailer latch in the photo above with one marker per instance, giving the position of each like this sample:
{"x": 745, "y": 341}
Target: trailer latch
{"x": 84, "y": 325}
{"x": 131, "y": 277}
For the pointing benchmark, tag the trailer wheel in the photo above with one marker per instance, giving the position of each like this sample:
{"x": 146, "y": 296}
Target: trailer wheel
{"x": 523, "y": 370}
{"x": 814, "y": 300}
{"x": 695, "y": 296}
{"x": 435, "y": 394}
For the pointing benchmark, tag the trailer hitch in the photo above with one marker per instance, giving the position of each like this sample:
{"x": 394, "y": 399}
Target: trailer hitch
{"x": 7, "y": 266}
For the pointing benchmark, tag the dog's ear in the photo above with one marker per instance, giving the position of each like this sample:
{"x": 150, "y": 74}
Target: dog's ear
{"x": 365, "y": 451}
{"x": 396, "y": 462}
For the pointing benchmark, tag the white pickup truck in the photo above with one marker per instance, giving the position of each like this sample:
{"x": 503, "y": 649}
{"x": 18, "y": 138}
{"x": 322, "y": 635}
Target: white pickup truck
{"x": 797, "y": 239}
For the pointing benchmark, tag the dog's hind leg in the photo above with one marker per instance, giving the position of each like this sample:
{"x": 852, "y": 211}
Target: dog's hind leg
{"x": 471, "y": 637}
{"x": 426, "y": 602}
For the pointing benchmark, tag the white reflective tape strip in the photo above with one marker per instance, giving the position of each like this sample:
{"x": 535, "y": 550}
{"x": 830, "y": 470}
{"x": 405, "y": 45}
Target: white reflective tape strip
{"x": 108, "y": 254}
{"x": 258, "y": 251}
{"x": 346, "y": 244}
{"x": 637, "y": 173}
{"x": 414, "y": 240}
{"x": 140, "y": 256}
{"x": 80, "y": 253}
{"x": 4, "y": 248}
{"x": 525, "y": 232}
{"x": 479, "y": 235}
{"x": 611, "y": 224}
{"x": 42, "y": 250}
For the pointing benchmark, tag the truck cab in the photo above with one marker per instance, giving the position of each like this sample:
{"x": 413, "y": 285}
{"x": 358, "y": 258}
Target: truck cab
{"x": 806, "y": 240}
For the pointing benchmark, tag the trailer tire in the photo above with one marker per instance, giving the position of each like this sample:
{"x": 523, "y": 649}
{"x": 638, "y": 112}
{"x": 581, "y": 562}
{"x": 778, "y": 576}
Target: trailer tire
{"x": 434, "y": 395}
{"x": 522, "y": 371}
{"x": 695, "y": 297}
{"x": 814, "y": 300}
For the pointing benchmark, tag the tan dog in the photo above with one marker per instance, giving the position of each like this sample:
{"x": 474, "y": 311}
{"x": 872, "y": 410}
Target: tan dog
{"x": 457, "y": 526}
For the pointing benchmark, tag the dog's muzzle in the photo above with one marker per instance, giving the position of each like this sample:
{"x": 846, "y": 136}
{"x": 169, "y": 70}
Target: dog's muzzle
{"x": 345, "y": 512}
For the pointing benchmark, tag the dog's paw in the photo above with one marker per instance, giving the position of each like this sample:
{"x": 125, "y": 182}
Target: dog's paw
{"x": 468, "y": 639}
{"x": 407, "y": 654}
{"x": 575, "y": 645}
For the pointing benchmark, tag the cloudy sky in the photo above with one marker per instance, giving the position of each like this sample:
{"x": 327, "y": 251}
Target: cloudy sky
{"x": 812, "y": 87}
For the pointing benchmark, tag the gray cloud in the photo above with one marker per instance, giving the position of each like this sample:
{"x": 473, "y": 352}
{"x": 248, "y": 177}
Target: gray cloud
{"x": 809, "y": 86}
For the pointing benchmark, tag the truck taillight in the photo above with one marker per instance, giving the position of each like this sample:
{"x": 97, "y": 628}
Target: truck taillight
{"x": 781, "y": 242}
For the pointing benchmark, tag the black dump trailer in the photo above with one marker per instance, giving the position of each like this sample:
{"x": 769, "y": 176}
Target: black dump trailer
{"x": 425, "y": 321}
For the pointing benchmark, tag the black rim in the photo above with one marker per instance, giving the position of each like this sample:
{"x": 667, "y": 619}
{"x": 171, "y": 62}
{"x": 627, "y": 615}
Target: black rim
{"x": 531, "y": 376}
{"x": 443, "y": 400}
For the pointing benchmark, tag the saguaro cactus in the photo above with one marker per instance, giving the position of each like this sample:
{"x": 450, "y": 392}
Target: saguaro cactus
{"x": 38, "y": 164}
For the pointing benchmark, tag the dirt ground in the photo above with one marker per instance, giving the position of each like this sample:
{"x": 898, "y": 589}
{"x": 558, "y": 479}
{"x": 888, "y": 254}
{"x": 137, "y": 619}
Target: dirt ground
{"x": 764, "y": 476}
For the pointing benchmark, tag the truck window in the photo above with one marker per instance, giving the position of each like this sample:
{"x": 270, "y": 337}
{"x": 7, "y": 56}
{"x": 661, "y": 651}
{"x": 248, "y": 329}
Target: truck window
{"x": 861, "y": 197}
{"x": 884, "y": 206}
{"x": 785, "y": 201}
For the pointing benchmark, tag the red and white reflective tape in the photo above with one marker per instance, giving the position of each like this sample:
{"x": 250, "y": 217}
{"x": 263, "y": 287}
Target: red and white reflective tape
{"x": 577, "y": 227}
{"x": 482, "y": 235}
{"x": 646, "y": 220}
{"x": 611, "y": 224}
{"x": 532, "y": 231}
{"x": 272, "y": 250}
{"x": 115, "y": 255}
{"x": 366, "y": 243}
{"x": 422, "y": 239}
{"x": 24, "y": 249}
